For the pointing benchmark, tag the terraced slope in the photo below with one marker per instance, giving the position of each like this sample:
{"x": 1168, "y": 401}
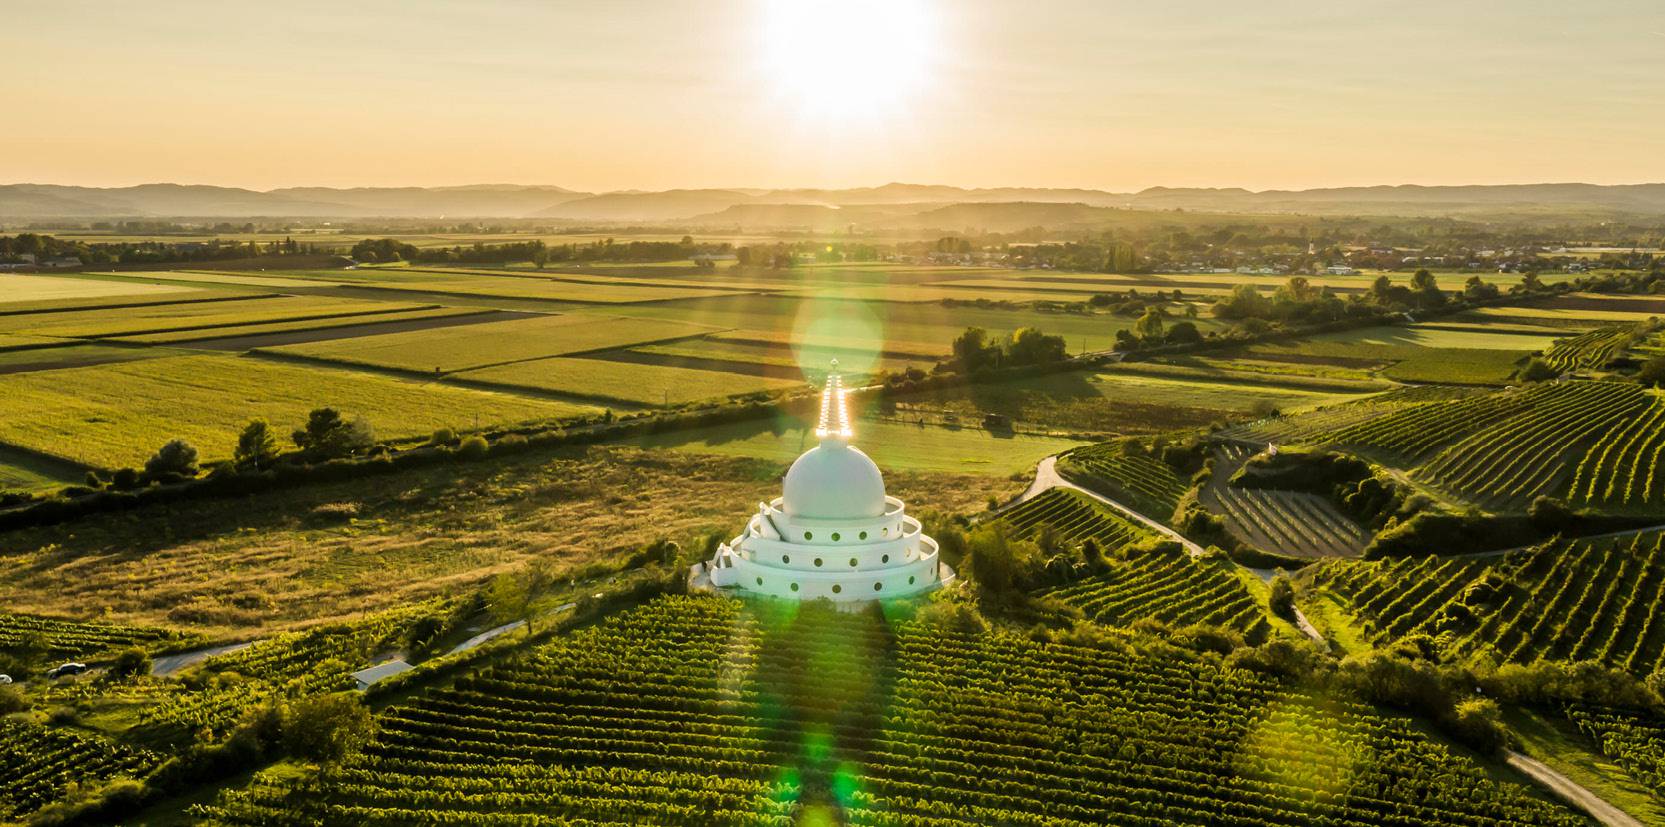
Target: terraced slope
{"x": 1594, "y": 600}
{"x": 702, "y": 710}
{"x": 1146, "y": 484}
{"x": 77, "y": 640}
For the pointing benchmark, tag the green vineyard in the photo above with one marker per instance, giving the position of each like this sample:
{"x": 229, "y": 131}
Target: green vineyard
{"x": 705, "y": 710}
{"x": 1591, "y": 442}
{"x": 1596, "y": 600}
{"x": 1287, "y": 522}
{"x": 1635, "y": 740}
{"x": 297, "y": 663}
{"x": 1593, "y": 349}
{"x": 1143, "y": 482}
{"x": 1074, "y": 517}
{"x": 58, "y": 639}
{"x": 38, "y": 765}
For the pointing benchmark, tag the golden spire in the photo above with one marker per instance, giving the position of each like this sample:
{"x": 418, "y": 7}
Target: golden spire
{"x": 835, "y": 419}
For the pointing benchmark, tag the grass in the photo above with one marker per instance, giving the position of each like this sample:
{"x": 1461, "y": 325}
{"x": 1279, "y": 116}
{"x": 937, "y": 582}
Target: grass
{"x": 1558, "y": 744}
{"x": 117, "y": 322}
{"x": 71, "y": 354}
{"x": 811, "y": 359}
{"x": 341, "y": 323}
{"x": 246, "y": 567}
{"x": 893, "y": 445}
{"x": 545, "y": 289}
{"x": 205, "y": 277}
{"x": 119, "y": 414}
{"x": 470, "y": 346}
{"x": 880, "y": 325}
{"x": 626, "y": 382}
{"x": 27, "y": 289}
{"x": 1435, "y": 337}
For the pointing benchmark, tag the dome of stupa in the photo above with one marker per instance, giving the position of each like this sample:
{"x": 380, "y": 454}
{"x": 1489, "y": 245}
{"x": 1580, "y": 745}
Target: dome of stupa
{"x": 834, "y": 481}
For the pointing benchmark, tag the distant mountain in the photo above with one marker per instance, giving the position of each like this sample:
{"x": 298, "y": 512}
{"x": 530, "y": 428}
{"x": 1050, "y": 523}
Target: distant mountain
{"x": 670, "y": 205}
{"x": 178, "y": 201}
{"x": 891, "y": 205}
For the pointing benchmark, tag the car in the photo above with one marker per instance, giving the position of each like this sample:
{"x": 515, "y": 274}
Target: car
{"x": 66, "y": 669}
{"x": 5, "y": 679}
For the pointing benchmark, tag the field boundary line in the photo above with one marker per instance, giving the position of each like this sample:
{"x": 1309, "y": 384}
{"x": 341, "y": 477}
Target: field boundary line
{"x": 31, "y": 311}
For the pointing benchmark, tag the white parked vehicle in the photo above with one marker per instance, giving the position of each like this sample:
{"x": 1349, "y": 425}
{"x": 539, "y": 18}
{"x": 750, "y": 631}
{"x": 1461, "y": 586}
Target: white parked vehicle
{"x": 65, "y": 669}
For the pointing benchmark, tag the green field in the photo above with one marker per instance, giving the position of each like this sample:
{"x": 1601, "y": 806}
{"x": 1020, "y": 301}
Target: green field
{"x": 26, "y": 289}
{"x": 542, "y": 289}
{"x": 118, "y": 414}
{"x": 470, "y": 346}
{"x": 898, "y": 445}
{"x": 118, "y": 322}
{"x": 625, "y": 382}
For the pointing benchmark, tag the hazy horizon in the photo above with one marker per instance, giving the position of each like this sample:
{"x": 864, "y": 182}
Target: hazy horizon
{"x": 1294, "y": 94}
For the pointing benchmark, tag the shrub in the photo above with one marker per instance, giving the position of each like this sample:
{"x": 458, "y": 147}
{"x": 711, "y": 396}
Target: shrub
{"x": 474, "y": 447}
{"x": 1281, "y": 599}
{"x": 256, "y": 445}
{"x": 131, "y": 661}
{"x": 442, "y": 436}
{"x": 12, "y": 700}
{"x": 177, "y": 458}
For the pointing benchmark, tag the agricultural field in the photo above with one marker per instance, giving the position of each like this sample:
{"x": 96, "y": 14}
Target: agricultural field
{"x": 1592, "y": 600}
{"x": 610, "y": 382}
{"x": 1592, "y": 442}
{"x": 132, "y": 321}
{"x": 1147, "y": 484}
{"x": 117, "y": 415}
{"x": 24, "y": 290}
{"x": 548, "y": 290}
{"x": 1292, "y": 523}
{"x": 1163, "y": 583}
{"x": 79, "y": 640}
{"x": 332, "y": 551}
{"x": 40, "y": 764}
{"x": 494, "y": 343}
{"x": 631, "y": 720}
{"x": 892, "y": 444}
{"x": 1120, "y": 401}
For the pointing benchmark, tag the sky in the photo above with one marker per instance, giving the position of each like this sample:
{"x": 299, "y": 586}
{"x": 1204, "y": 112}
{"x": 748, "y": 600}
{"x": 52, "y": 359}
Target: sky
{"x": 640, "y": 94}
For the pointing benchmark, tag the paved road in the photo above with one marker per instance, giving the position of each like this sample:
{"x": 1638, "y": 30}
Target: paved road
{"x": 1046, "y": 476}
{"x": 1569, "y": 791}
{"x": 166, "y": 665}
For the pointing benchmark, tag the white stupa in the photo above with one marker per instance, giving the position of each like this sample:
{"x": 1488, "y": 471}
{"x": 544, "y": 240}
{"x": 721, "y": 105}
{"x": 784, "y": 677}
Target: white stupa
{"x": 833, "y": 532}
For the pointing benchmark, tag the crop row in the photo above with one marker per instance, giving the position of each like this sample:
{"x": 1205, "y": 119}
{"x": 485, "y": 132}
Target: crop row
{"x": 1074, "y": 518}
{"x": 1289, "y": 522}
{"x": 54, "y": 638}
{"x": 1509, "y": 462}
{"x": 705, "y": 710}
{"x": 37, "y": 764}
{"x": 1593, "y": 349}
{"x": 1144, "y": 482}
{"x": 1593, "y": 600}
{"x": 1635, "y": 740}
{"x": 1622, "y": 468}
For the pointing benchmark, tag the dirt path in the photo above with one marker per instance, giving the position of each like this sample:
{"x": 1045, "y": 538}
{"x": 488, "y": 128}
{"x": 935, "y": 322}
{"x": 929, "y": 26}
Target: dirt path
{"x": 1569, "y": 791}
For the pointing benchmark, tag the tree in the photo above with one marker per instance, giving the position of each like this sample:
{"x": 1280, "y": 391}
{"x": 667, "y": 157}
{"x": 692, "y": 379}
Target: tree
{"x": 1149, "y": 326}
{"x": 328, "y": 436}
{"x": 1244, "y": 302}
{"x": 511, "y": 597}
{"x": 1537, "y": 370}
{"x": 1184, "y": 333}
{"x": 540, "y": 256}
{"x": 256, "y": 445}
{"x": 176, "y": 457}
{"x": 326, "y": 728}
{"x": 1281, "y": 599}
{"x": 1121, "y": 258}
{"x": 1479, "y": 288}
{"x": 1029, "y": 346}
{"x": 1427, "y": 289}
{"x": 1529, "y": 282}
{"x": 1381, "y": 290}
{"x": 972, "y": 351}
{"x": 1652, "y": 373}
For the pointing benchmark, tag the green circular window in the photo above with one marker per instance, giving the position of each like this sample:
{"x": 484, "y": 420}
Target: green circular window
{"x": 759, "y": 581}
{"x": 862, "y": 536}
{"x": 817, "y": 562}
{"x": 885, "y": 559}
{"x": 835, "y": 537}
{"x": 878, "y": 586}
{"x": 837, "y": 588}
{"x": 809, "y": 535}
{"x": 910, "y": 581}
{"x": 852, "y": 562}
{"x": 786, "y": 558}
{"x": 794, "y": 586}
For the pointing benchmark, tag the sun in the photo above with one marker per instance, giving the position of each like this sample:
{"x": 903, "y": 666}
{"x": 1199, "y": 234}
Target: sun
{"x": 848, "y": 58}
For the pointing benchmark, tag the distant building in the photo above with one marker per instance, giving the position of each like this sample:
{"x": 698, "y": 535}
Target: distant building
{"x": 713, "y": 258}
{"x": 1340, "y": 270}
{"x": 61, "y": 263}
